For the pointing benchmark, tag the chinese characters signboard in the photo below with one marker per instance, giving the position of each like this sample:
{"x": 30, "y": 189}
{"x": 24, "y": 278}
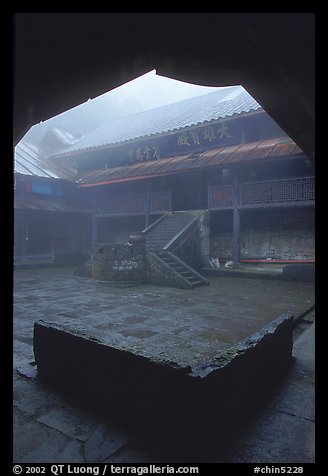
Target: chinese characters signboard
{"x": 219, "y": 134}
{"x": 142, "y": 154}
{"x": 206, "y": 134}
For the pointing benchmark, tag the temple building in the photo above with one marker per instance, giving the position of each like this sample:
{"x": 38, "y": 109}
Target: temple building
{"x": 51, "y": 220}
{"x": 218, "y": 157}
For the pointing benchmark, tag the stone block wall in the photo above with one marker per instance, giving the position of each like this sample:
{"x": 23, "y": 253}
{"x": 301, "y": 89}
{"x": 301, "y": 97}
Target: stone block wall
{"x": 151, "y": 393}
{"x": 277, "y": 234}
{"x": 118, "y": 263}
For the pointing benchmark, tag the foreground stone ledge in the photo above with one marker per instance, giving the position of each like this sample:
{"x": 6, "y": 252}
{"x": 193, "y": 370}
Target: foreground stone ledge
{"x": 148, "y": 392}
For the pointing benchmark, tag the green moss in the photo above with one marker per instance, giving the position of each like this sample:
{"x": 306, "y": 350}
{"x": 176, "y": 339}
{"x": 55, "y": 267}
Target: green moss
{"x": 226, "y": 356}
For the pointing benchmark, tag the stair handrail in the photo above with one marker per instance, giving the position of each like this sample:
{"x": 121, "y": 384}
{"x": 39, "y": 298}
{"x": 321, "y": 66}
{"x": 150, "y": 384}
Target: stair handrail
{"x": 166, "y": 266}
{"x": 152, "y": 225}
{"x": 183, "y": 263}
{"x": 176, "y": 241}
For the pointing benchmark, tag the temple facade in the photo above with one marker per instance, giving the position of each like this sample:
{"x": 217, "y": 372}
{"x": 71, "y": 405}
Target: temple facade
{"x": 218, "y": 156}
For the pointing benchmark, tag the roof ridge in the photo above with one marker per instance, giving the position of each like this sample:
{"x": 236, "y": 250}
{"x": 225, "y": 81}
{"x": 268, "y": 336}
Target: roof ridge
{"x": 174, "y": 116}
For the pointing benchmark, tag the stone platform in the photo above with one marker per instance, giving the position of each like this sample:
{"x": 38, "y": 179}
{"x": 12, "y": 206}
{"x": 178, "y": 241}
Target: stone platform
{"x": 156, "y": 356}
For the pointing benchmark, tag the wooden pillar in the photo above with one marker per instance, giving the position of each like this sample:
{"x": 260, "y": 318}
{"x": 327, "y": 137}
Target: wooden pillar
{"x": 172, "y": 190}
{"x": 94, "y": 235}
{"x": 236, "y": 235}
{"x": 52, "y": 239}
{"x": 200, "y": 189}
{"x": 24, "y": 236}
{"x": 236, "y": 222}
{"x": 21, "y": 222}
{"x": 147, "y": 204}
{"x": 94, "y": 230}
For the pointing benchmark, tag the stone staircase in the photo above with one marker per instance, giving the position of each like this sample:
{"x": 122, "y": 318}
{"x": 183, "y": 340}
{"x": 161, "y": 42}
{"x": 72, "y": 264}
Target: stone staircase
{"x": 189, "y": 278}
{"x": 160, "y": 238}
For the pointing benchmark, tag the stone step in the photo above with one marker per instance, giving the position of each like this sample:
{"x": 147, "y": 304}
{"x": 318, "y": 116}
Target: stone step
{"x": 179, "y": 268}
{"x": 164, "y": 233}
{"x": 195, "y": 284}
{"x": 161, "y": 234}
{"x": 165, "y": 238}
{"x": 151, "y": 236}
{"x": 156, "y": 242}
{"x": 183, "y": 271}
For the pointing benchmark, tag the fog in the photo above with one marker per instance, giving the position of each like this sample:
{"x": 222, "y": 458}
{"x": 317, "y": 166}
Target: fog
{"x": 145, "y": 92}
{"x": 152, "y": 90}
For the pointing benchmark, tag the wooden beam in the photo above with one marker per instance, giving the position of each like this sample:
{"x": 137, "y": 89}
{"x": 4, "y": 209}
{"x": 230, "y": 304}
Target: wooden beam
{"x": 235, "y": 221}
{"x": 147, "y": 204}
{"x": 94, "y": 230}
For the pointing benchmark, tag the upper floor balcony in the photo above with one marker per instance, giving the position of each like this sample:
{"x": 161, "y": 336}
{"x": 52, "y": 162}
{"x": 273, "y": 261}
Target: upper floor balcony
{"x": 136, "y": 204}
{"x": 287, "y": 192}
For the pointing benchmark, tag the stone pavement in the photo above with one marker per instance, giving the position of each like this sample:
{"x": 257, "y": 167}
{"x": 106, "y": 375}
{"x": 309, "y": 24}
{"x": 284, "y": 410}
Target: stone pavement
{"x": 48, "y": 428}
{"x": 284, "y": 431}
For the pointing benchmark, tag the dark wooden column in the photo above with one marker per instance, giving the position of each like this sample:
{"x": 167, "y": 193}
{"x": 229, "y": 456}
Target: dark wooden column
{"x": 24, "y": 236}
{"x": 52, "y": 240}
{"x": 236, "y": 235}
{"x": 94, "y": 231}
{"x": 200, "y": 189}
{"x": 235, "y": 222}
{"x": 22, "y": 214}
{"x": 147, "y": 204}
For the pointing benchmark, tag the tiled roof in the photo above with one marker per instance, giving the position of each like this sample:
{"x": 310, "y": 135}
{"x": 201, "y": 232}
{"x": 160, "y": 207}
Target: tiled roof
{"x": 225, "y": 102}
{"x": 52, "y": 204}
{"x": 65, "y": 136}
{"x": 261, "y": 150}
{"x": 28, "y": 161}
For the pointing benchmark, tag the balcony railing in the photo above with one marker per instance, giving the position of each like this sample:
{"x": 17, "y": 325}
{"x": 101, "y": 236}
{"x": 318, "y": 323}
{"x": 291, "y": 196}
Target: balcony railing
{"x": 219, "y": 196}
{"x": 296, "y": 191}
{"x": 136, "y": 204}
